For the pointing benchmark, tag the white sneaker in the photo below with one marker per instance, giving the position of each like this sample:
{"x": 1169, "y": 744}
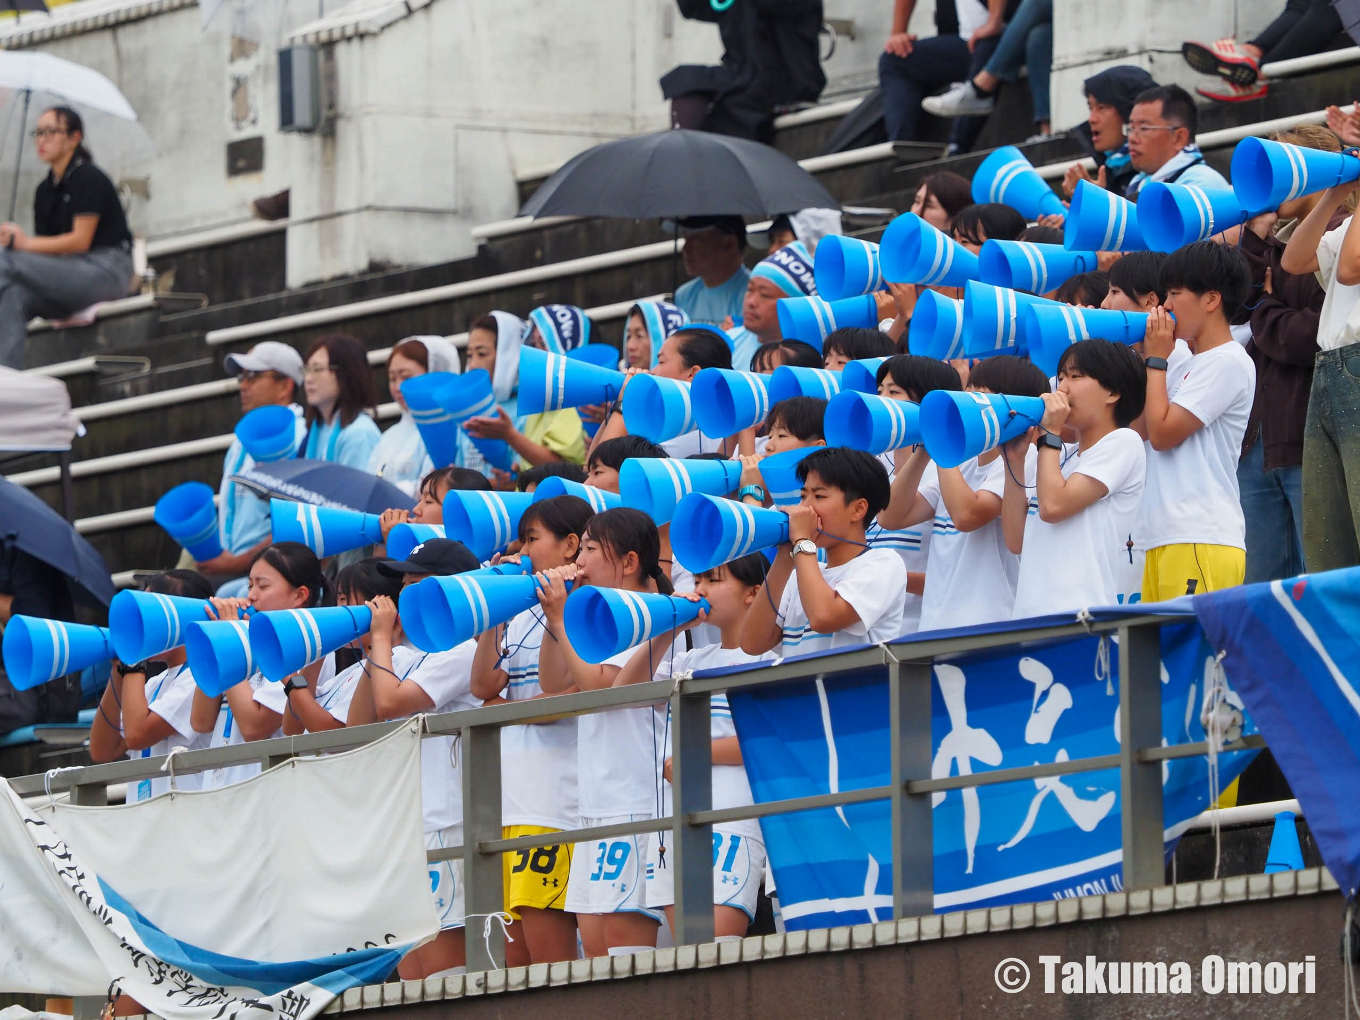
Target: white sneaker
{"x": 959, "y": 100}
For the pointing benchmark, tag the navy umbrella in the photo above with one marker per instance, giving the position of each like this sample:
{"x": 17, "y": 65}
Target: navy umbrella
{"x": 31, "y": 526}
{"x": 325, "y": 484}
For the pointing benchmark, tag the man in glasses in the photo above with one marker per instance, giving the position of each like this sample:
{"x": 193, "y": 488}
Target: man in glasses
{"x": 1162, "y": 145}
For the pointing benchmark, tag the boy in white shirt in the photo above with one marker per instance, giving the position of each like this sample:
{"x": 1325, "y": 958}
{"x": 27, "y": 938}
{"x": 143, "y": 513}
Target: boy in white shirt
{"x": 1089, "y": 494}
{"x": 1195, "y": 418}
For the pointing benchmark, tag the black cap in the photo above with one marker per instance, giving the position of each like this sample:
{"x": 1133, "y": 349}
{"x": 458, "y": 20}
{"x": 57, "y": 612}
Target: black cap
{"x": 733, "y": 225}
{"x": 439, "y": 556}
{"x": 1118, "y": 87}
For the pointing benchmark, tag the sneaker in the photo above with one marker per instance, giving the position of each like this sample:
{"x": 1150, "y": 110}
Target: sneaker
{"x": 959, "y": 100}
{"x": 1223, "y": 59}
{"x": 1040, "y": 137}
{"x": 1228, "y": 92}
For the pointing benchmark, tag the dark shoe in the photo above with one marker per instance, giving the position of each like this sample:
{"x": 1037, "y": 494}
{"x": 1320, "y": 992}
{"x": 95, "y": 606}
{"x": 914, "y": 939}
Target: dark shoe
{"x": 271, "y": 207}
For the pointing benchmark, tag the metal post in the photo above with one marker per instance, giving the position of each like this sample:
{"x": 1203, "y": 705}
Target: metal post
{"x": 88, "y": 1007}
{"x": 18, "y": 159}
{"x": 480, "y": 758}
{"x": 692, "y": 790}
{"x": 1140, "y": 783}
{"x": 912, "y": 836}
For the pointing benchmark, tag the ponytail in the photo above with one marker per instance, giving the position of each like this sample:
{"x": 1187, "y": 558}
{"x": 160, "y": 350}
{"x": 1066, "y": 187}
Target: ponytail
{"x": 72, "y": 123}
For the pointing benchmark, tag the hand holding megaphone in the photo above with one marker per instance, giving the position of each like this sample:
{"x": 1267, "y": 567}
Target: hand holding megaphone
{"x": 803, "y": 523}
{"x": 384, "y": 623}
{"x": 390, "y": 519}
{"x": 228, "y": 609}
{"x": 1057, "y": 408}
{"x": 552, "y": 592}
{"x": 1160, "y": 339}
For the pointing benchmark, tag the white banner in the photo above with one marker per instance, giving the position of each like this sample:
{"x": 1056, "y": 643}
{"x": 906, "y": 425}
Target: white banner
{"x": 271, "y": 896}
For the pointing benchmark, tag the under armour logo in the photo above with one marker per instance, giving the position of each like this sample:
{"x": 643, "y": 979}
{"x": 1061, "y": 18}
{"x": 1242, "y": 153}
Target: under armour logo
{"x": 554, "y": 882}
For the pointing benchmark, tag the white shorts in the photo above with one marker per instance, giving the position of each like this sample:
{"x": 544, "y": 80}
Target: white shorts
{"x": 608, "y": 876}
{"x": 738, "y": 863}
{"x": 446, "y": 878}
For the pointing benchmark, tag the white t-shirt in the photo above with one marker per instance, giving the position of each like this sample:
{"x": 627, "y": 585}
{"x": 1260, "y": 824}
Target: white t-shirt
{"x": 1192, "y": 494}
{"x": 913, "y": 545}
{"x": 538, "y": 760}
{"x": 447, "y": 678}
{"x": 691, "y": 443}
{"x": 874, "y": 583}
{"x": 170, "y": 696}
{"x": 705, "y": 633}
{"x": 1339, "y": 323}
{"x": 970, "y": 575}
{"x": 972, "y": 16}
{"x": 337, "y": 693}
{"x": 1074, "y": 564}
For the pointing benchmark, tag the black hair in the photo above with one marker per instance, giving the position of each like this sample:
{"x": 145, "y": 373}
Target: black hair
{"x": 796, "y": 353}
{"x": 488, "y": 323}
{"x": 702, "y": 347}
{"x": 953, "y": 191}
{"x": 1177, "y": 106}
{"x": 988, "y": 221}
{"x": 857, "y": 474}
{"x": 557, "y": 468}
{"x": 348, "y": 359}
{"x": 72, "y": 122}
{"x": 857, "y": 343}
{"x": 711, "y": 455}
{"x": 1041, "y": 235}
{"x": 1138, "y": 274}
{"x": 919, "y": 375}
{"x": 297, "y": 565}
{"x": 363, "y": 581}
{"x": 1209, "y": 266}
{"x": 1084, "y": 289}
{"x": 622, "y": 530}
{"x": 803, "y": 416}
{"x": 189, "y": 584}
{"x": 562, "y": 515}
{"x": 1116, "y": 368}
{"x": 750, "y": 570}
{"x": 1007, "y": 374}
{"x": 613, "y": 452}
{"x": 453, "y": 478}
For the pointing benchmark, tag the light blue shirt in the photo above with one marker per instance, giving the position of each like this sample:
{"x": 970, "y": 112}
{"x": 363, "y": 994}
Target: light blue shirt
{"x": 352, "y": 445}
{"x": 713, "y": 304}
{"x": 242, "y": 514}
{"x": 1202, "y": 175}
{"x": 744, "y": 345}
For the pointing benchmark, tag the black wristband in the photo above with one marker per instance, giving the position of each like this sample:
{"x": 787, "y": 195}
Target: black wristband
{"x": 1155, "y": 364}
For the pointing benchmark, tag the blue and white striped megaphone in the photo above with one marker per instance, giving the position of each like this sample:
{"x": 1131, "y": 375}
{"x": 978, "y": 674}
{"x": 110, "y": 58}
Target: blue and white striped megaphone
{"x": 1051, "y": 329}
{"x": 1006, "y": 176}
{"x": 600, "y": 500}
{"x": 958, "y": 425}
{"x": 284, "y": 641}
{"x": 145, "y": 623}
{"x": 514, "y": 566}
{"x": 780, "y": 472}
{"x": 796, "y": 381}
{"x": 1172, "y": 215}
{"x": 551, "y": 382}
{"x": 936, "y": 327}
{"x": 189, "y": 516}
{"x": 871, "y": 423}
{"x": 708, "y": 531}
{"x": 602, "y": 622}
{"x": 656, "y": 485}
{"x": 37, "y": 650}
{"x": 471, "y": 395}
{"x": 658, "y": 408}
{"x": 813, "y": 319}
{"x": 268, "y": 433}
{"x": 402, "y": 539}
{"x": 862, "y": 375}
{"x": 219, "y": 654}
{"x": 727, "y": 401}
{"x": 601, "y": 356}
{"x": 991, "y": 319}
{"x": 427, "y": 399}
{"x": 1099, "y": 220}
{"x": 446, "y": 611}
{"x": 324, "y": 530}
{"x": 1037, "y": 268}
{"x": 913, "y": 251}
{"x": 484, "y": 521}
{"x": 846, "y": 267}
{"x": 1266, "y": 174}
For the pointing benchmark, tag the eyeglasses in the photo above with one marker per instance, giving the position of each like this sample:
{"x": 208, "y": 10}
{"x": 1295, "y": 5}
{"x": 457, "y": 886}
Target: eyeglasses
{"x": 1142, "y": 129}
{"x": 252, "y": 376}
{"x": 317, "y": 369}
{"x": 40, "y": 133}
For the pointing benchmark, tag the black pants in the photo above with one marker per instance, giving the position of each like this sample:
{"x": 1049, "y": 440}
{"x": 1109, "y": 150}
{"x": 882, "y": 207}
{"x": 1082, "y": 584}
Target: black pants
{"x": 932, "y": 64}
{"x": 1303, "y": 28}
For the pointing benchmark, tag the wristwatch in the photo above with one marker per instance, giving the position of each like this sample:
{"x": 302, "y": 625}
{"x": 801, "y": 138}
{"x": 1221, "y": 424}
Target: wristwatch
{"x": 751, "y": 490}
{"x": 804, "y": 545}
{"x": 137, "y": 667}
{"x": 293, "y": 683}
{"x": 1052, "y": 441}
{"x": 1155, "y": 364}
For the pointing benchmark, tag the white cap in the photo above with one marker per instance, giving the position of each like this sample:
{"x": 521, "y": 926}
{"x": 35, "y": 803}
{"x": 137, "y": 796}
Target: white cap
{"x": 267, "y": 356}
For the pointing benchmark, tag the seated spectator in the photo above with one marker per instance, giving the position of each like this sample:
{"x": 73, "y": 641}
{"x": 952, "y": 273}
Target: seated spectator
{"x": 854, "y": 344}
{"x": 400, "y": 456}
{"x": 1162, "y": 142}
{"x": 768, "y": 357}
{"x": 1086, "y": 290}
{"x": 340, "y": 394}
{"x": 1110, "y": 96}
{"x": 786, "y": 273}
{"x": 713, "y": 254}
{"x": 941, "y": 197}
{"x": 1303, "y": 28}
{"x": 602, "y": 469}
{"x": 80, "y": 252}
{"x": 781, "y": 234}
{"x": 527, "y": 481}
{"x": 648, "y": 325}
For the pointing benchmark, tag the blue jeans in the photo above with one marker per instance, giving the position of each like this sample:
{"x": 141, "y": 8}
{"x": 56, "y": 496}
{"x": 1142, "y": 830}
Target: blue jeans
{"x": 932, "y": 64}
{"x": 1027, "y": 42}
{"x": 1272, "y": 503}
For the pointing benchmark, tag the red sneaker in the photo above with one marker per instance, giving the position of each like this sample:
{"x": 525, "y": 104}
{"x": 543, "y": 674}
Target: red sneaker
{"x": 1228, "y": 92}
{"x": 1223, "y": 59}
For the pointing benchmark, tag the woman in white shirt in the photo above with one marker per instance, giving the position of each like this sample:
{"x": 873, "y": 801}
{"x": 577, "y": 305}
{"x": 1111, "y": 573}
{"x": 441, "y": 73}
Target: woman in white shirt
{"x": 400, "y": 456}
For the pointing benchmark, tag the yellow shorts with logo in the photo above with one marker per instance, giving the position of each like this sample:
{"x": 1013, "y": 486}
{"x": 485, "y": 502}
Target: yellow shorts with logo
{"x": 538, "y": 877}
{"x": 1168, "y": 569}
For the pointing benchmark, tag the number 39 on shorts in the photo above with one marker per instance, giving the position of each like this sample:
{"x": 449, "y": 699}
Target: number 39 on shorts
{"x": 611, "y": 860}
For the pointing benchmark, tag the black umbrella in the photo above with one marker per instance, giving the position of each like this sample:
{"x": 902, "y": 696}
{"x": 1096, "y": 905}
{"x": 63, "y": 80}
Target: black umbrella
{"x": 325, "y": 484}
{"x": 678, "y": 173}
{"x": 33, "y": 527}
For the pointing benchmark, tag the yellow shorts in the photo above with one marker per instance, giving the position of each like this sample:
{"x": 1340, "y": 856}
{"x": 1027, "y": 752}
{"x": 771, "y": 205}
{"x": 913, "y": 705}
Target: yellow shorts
{"x": 535, "y": 878}
{"x": 1169, "y": 569}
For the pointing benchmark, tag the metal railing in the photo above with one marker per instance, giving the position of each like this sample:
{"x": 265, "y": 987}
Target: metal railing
{"x": 908, "y": 665}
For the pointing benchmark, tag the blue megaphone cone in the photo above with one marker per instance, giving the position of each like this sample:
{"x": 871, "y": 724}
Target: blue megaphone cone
{"x": 1172, "y": 215}
{"x": 515, "y": 566}
{"x": 871, "y": 423}
{"x": 484, "y": 521}
{"x": 1285, "y": 853}
{"x": 1266, "y": 174}
{"x": 324, "y": 530}
{"x": 708, "y": 531}
{"x": 862, "y": 375}
{"x": 36, "y": 650}
{"x": 1006, "y": 176}
{"x": 283, "y": 642}
{"x": 470, "y": 396}
{"x": 958, "y": 425}
{"x": 1048, "y": 330}
{"x": 658, "y": 408}
{"x": 936, "y": 329}
{"x": 600, "y": 500}
{"x": 726, "y": 401}
{"x": 795, "y": 381}
{"x": 144, "y": 623}
{"x": 1037, "y": 268}
{"x": 268, "y": 433}
{"x": 1100, "y": 220}
{"x": 846, "y": 267}
{"x": 655, "y": 485}
{"x": 405, "y": 537}
{"x": 551, "y": 382}
{"x": 603, "y": 622}
{"x": 913, "y": 251}
{"x": 189, "y": 516}
{"x": 426, "y": 398}
{"x": 219, "y": 654}
{"x": 991, "y": 319}
{"x": 599, "y": 355}
{"x": 446, "y": 611}
{"x": 780, "y": 472}
{"x": 813, "y": 319}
